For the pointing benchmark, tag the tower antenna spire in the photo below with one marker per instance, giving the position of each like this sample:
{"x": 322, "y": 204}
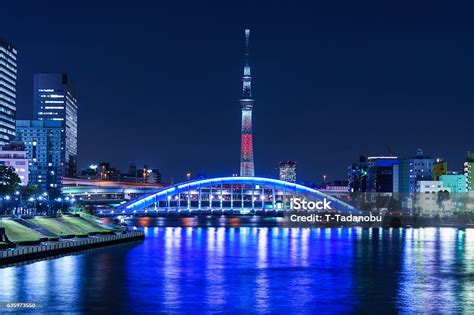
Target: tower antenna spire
{"x": 246, "y": 103}
{"x": 247, "y": 44}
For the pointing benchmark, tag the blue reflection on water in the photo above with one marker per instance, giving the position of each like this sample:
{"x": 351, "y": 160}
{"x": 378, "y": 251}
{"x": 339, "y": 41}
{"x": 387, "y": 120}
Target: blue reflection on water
{"x": 263, "y": 270}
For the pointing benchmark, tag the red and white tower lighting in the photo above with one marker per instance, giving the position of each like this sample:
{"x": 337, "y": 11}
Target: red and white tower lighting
{"x": 246, "y": 103}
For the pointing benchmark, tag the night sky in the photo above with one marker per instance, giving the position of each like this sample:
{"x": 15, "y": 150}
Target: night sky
{"x": 159, "y": 83}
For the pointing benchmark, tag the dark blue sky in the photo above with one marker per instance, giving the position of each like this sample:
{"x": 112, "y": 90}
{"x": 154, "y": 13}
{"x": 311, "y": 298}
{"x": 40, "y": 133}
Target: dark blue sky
{"x": 159, "y": 83}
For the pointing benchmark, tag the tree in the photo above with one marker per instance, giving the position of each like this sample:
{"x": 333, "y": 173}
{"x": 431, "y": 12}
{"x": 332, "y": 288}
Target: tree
{"x": 29, "y": 191}
{"x": 9, "y": 180}
{"x": 442, "y": 197}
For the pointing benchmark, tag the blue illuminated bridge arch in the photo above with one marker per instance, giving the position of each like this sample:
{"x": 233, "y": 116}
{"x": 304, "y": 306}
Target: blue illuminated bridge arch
{"x": 237, "y": 194}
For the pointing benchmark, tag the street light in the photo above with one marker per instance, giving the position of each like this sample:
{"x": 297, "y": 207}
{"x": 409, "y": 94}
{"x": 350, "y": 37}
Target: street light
{"x": 46, "y": 197}
{"x": 7, "y": 198}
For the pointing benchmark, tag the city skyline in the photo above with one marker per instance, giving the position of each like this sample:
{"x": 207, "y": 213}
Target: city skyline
{"x": 335, "y": 82}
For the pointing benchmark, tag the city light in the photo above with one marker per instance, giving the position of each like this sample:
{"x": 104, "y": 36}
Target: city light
{"x": 257, "y": 181}
{"x": 203, "y": 233}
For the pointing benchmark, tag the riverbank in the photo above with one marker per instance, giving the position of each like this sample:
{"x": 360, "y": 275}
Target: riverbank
{"x": 26, "y": 238}
{"x": 25, "y": 253}
{"x": 33, "y": 230}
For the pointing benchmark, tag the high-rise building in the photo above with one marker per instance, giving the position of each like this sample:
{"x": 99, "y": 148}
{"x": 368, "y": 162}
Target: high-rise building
{"x": 8, "y": 71}
{"x": 469, "y": 171}
{"x": 247, "y": 167}
{"x": 43, "y": 142}
{"x": 15, "y": 155}
{"x": 288, "y": 171}
{"x": 380, "y": 175}
{"x": 415, "y": 169}
{"x": 54, "y": 99}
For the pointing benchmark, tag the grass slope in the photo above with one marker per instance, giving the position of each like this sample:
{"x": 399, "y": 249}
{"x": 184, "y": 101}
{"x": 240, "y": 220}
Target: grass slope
{"x": 17, "y": 232}
{"x": 68, "y": 225}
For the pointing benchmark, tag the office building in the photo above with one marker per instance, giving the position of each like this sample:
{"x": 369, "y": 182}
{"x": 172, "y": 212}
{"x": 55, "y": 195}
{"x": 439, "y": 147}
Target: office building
{"x": 455, "y": 182}
{"x": 15, "y": 155}
{"x": 380, "y": 175}
{"x": 469, "y": 171}
{"x": 8, "y": 74}
{"x": 429, "y": 195}
{"x": 287, "y": 170}
{"x": 43, "y": 143}
{"x": 54, "y": 99}
{"x": 412, "y": 170}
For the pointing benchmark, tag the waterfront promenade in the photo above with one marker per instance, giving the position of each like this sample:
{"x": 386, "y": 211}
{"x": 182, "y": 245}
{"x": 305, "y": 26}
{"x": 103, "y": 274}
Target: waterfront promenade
{"x": 24, "y": 253}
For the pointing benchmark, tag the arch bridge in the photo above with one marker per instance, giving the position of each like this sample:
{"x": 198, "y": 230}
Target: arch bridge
{"x": 237, "y": 195}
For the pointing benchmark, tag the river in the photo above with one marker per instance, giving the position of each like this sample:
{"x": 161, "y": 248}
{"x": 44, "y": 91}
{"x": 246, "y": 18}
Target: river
{"x": 258, "y": 269}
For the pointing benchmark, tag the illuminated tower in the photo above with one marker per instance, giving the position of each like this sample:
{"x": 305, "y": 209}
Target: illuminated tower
{"x": 246, "y": 103}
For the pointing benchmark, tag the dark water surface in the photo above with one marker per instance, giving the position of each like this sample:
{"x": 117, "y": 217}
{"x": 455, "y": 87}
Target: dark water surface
{"x": 257, "y": 269}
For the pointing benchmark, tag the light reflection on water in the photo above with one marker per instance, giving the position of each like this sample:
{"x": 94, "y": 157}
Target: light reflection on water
{"x": 261, "y": 269}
